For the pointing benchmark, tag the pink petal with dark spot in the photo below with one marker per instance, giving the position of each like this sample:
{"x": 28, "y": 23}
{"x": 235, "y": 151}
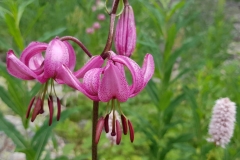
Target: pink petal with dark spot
{"x": 137, "y": 76}
{"x": 91, "y": 80}
{"x": 56, "y": 56}
{"x": 94, "y": 62}
{"x": 72, "y": 55}
{"x": 113, "y": 85}
{"x": 18, "y": 69}
{"x": 68, "y": 78}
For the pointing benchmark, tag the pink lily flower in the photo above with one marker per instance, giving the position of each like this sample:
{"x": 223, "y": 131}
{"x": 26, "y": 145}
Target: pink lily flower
{"x": 45, "y": 69}
{"x": 109, "y": 83}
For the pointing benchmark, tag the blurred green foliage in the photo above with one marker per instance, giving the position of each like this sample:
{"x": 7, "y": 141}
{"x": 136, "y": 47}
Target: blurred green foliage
{"x": 189, "y": 40}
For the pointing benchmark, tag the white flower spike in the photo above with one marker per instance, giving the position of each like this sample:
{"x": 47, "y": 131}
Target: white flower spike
{"x": 222, "y": 122}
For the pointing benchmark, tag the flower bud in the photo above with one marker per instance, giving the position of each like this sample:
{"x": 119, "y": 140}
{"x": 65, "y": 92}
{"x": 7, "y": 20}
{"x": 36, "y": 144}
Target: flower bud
{"x": 125, "y": 36}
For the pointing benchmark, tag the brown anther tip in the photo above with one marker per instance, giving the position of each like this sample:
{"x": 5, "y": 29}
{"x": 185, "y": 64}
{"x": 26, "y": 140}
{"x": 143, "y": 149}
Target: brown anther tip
{"x": 59, "y": 109}
{"x": 99, "y": 129}
{"x": 113, "y": 134}
{"x": 131, "y": 131}
{"x": 106, "y": 125}
{"x": 50, "y": 106}
{"x": 119, "y": 132}
{"x": 124, "y": 124}
{"x": 30, "y": 107}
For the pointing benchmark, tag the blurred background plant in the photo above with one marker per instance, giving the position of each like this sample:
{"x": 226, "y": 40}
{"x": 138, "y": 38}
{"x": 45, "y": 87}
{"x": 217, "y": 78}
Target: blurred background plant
{"x": 195, "y": 48}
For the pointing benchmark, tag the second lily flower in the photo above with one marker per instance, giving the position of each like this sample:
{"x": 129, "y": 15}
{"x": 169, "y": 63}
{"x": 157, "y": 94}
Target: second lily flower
{"x": 109, "y": 83}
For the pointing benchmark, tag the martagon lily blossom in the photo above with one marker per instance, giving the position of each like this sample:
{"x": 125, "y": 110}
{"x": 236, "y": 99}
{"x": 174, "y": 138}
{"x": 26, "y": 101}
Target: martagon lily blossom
{"x": 43, "y": 68}
{"x": 109, "y": 84}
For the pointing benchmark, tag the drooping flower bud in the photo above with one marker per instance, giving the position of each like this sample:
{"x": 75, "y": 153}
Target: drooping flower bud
{"x": 125, "y": 36}
{"x": 222, "y": 122}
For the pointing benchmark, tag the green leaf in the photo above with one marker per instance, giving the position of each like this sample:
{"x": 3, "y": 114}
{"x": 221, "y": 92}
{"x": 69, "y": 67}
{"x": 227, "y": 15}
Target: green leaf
{"x": 189, "y": 43}
{"x": 8, "y": 101}
{"x": 171, "y": 35}
{"x": 12, "y": 133}
{"x": 179, "y": 5}
{"x": 194, "y": 106}
{"x": 168, "y": 113}
{"x": 14, "y": 31}
{"x": 21, "y": 9}
{"x": 39, "y": 140}
{"x": 153, "y": 92}
{"x": 47, "y": 35}
{"x": 3, "y": 11}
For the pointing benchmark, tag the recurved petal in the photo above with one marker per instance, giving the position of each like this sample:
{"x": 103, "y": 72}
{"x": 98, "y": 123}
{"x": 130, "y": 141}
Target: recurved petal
{"x": 137, "y": 76}
{"x": 94, "y": 62}
{"x": 17, "y": 68}
{"x": 56, "y": 56}
{"x": 65, "y": 75}
{"x": 113, "y": 85}
{"x": 35, "y": 62}
{"x": 91, "y": 80}
{"x": 72, "y": 55}
{"x": 148, "y": 68}
{"x": 31, "y": 50}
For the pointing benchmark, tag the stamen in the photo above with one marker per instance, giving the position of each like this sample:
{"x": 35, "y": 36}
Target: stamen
{"x": 131, "y": 131}
{"x": 106, "y": 126}
{"x": 124, "y": 124}
{"x": 30, "y": 107}
{"x": 114, "y": 118}
{"x": 119, "y": 132}
{"x": 59, "y": 109}
{"x": 50, "y": 106}
{"x": 38, "y": 109}
{"x": 99, "y": 128}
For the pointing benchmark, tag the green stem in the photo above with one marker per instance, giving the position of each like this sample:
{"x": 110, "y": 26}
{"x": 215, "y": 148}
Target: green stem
{"x": 78, "y": 42}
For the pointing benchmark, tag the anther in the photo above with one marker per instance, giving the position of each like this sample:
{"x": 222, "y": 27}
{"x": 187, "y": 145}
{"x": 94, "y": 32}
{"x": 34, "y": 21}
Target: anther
{"x": 99, "y": 128}
{"x": 59, "y": 109}
{"x": 106, "y": 125}
{"x": 30, "y": 107}
{"x": 119, "y": 132}
{"x": 38, "y": 109}
{"x": 131, "y": 131}
{"x": 50, "y": 106}
{"x": 124, "y": 124}
{"x": 113, "y": 125}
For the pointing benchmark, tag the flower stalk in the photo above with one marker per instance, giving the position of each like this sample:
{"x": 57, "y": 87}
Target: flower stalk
{"x": 78, "y": 42}
{"x": 104, "y": 55}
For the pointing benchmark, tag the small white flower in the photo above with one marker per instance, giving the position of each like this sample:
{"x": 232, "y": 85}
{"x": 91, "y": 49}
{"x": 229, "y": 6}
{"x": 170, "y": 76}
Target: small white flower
{"x": 222, "y": 122}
